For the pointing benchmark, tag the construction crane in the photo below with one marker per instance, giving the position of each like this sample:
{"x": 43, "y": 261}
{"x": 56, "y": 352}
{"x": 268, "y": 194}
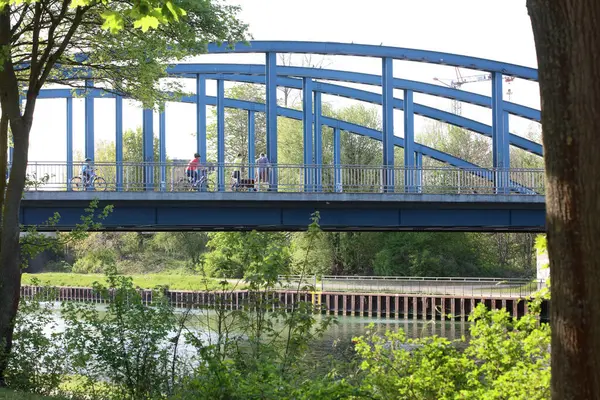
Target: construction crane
{"x": 461, "y": 80}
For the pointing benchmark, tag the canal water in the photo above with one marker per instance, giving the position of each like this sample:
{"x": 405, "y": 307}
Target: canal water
{"x": 336, "y": 340}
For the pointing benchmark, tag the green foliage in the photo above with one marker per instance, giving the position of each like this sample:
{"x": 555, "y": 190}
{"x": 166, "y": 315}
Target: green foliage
{"x": 504, "y": 359}
{"x": 36, "y": 363}
{"x": 177, "y": 280}
{"x": 269, "y": 362}
{"x": 131, "y": 350}
{"x": 458, "y": 142}
{"x": 132, "y": 149}
{"x": 146, "y": 14}
{"x": 236, "y": 126}
{"x": 345, "y": 253}
{"x": 131, "y": 343}
{"x": 33, "y": 242}
{"x": 541, "y": 244}
{"x": 243, "y": 254}
{"x": 189, "y": 245}
{"x": 6, "y": 394}
{"x": 134, "y": 252}
{"x": 128, "y": 44}
{"x": 421, "y": 253}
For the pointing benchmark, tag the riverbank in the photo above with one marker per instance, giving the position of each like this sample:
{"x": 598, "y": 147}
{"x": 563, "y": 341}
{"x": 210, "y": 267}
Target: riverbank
{"x": 144, "y": 281}
{"x": 6, "y": 394}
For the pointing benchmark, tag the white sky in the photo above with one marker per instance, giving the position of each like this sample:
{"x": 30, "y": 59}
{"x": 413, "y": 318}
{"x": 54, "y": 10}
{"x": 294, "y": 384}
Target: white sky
{"x": 495, "y": 29}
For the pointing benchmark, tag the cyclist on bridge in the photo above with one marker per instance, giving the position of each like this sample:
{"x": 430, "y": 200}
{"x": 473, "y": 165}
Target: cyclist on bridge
{"x": 87, "y": 171}
{"x": 193, "y": 168}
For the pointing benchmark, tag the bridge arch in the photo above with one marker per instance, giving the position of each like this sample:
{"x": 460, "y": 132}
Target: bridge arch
{"x": 308, "y": 80}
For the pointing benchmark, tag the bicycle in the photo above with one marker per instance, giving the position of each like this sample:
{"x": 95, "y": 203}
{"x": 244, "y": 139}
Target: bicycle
{"x": 188, "y": 184}
{"x": 94, "y": 182}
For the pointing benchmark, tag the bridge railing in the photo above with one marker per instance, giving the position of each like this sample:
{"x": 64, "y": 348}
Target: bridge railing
{"x": 442, "y": 286}
{"x": 172, "y": 177}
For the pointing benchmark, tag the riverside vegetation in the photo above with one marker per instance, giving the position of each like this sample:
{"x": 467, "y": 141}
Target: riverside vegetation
{"x": 135, "y": 351}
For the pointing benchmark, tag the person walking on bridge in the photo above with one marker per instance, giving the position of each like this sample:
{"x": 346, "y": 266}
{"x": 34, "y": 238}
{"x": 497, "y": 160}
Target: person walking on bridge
{"x": 237, "y": 171}
{"x": 263, "y": 169}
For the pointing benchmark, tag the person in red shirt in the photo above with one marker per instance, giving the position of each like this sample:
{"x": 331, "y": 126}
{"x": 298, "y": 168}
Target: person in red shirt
{"x": 193, "y": 167}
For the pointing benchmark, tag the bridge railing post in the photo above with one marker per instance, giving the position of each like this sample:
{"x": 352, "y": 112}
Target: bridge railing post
{"x": 419, "y": 172}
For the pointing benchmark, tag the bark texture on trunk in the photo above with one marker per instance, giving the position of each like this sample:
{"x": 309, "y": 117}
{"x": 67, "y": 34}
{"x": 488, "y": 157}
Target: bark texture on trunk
{"x": 567, "y": 37}
{"x": 10, "y": 268}
{"x": 10, "y": 260}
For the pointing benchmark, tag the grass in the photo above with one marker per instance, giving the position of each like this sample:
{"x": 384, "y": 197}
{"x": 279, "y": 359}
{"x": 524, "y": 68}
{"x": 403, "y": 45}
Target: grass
{"x": 145, "y": 281}
{"x": 6, "y": 394}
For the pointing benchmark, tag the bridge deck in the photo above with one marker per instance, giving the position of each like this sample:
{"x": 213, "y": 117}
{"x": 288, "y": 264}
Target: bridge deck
{"x": 149, "y": 211}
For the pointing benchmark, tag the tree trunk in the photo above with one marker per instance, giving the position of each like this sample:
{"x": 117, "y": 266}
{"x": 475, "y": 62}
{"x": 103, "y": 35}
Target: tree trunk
{"x": 567, "y": 38}
{"x": 3, "y": 160}
{"x": 10, "y": 268}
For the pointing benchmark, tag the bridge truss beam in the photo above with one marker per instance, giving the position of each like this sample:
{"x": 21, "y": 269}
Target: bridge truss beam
{"x": 272, "y": 76}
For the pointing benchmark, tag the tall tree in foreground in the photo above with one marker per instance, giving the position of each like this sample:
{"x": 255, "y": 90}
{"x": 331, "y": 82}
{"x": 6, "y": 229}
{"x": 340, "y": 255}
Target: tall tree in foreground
{"x": 567, "y": 38}
{"x": 122, "y": 54}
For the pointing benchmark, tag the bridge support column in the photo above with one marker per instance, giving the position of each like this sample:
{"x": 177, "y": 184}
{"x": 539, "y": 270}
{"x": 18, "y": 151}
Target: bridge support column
{"x": 69, "y": 143}
{"x": 119, "y": 142}
{"x": 387, "y": 77}
{"x": 162, "y": 150}
{"x": 307, "y": 124}
{"x": 419, "y": 174}
{"x": 409, "y": 143}
{"x": 318, "y": 144}
{"x": 201, "y": 117}
{"x": 337, "y": 177}
{"x": 271, "y": 87}
{"x": 148, "y": 148}
{"x": 507, "y": 177}
{"x": 251, "y": 143}
{"x": 89, "y": 122}
{"x": 500, "y": 139}
{"x": 221, "y": 135}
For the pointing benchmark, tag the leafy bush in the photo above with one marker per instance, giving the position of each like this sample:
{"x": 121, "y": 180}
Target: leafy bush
{"x": 131, "y": 344}
{"x": 36, "y": 362}
{"x": 504, "y": 359}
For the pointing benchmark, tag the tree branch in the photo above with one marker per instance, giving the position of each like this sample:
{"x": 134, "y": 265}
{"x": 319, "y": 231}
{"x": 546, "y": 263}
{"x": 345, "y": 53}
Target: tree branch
{"x": 19, "y": 22}
{"x": 35, "y": 47}
{"x": 51, "y": 38}
{"x": 65, "y": 42}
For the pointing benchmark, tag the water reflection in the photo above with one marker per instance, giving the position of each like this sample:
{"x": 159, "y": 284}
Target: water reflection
{"x": 339, "y": 336}
{"x": 337, "y": 339}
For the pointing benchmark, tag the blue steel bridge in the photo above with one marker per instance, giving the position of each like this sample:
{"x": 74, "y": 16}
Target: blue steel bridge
{"x": 458, "y": 195}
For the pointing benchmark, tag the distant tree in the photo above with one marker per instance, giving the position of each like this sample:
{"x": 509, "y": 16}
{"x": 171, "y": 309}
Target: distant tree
{"x": 428, "y": 254}
{"x": 236, "y": 125}
{"x": 522, "y": 159}
{"x": 459, "y": 142}
{"x": 301, "y": 60}
{"x": 357, "y": 149}
{"x": 132, "y": 148}
{"x": 239, "y": 254}
{"x": 190, "y": 246}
